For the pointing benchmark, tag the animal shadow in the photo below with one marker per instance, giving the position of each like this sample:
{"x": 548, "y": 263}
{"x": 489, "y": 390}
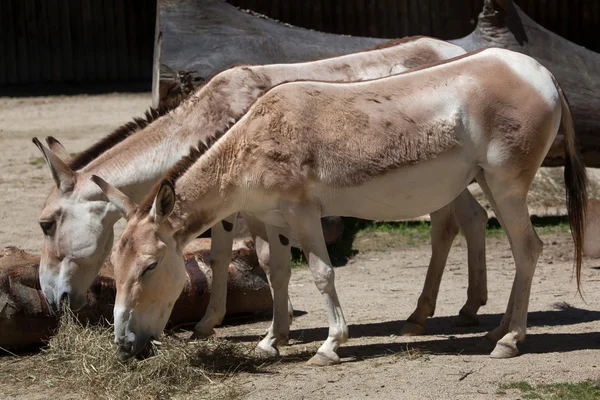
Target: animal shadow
{"x": 451, "y": 342}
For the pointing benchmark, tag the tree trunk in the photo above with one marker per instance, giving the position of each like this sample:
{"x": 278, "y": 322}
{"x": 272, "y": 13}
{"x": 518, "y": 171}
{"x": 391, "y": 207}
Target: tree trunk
{"x": 199, "y": 38}
{"x": 504, "y": 24}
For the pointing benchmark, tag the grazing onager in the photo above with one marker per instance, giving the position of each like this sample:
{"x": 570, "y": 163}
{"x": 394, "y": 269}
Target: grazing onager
{"x": 392, "y": 148}
{"x": 77, "y": 220}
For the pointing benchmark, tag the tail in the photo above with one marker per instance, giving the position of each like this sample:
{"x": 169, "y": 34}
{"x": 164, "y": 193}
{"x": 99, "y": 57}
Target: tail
{"x": 575, "y": 182}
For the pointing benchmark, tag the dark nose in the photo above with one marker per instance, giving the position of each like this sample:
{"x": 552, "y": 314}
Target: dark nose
{"x": 64, "y": 301}
{"x": 73, "y": 302}
{"x": 125, "y": 350}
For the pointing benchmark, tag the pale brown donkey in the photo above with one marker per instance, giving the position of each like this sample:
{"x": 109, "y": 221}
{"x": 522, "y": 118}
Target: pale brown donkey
{"x": 77, "y": 220}
{"x": 386, "y": 149}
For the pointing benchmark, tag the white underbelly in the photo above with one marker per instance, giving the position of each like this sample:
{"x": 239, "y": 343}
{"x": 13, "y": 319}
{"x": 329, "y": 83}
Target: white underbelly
{"x": 407, "y": 192}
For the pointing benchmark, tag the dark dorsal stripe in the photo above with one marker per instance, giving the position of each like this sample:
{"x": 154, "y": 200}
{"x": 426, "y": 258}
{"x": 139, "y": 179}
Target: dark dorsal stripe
{"x": 124, "y": 131}
{"x": 396, "y": 42}
{"x": 175, "y": 173}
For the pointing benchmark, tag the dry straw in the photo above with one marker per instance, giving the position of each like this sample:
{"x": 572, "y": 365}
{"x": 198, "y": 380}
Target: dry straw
{"x": 83, "y": 358}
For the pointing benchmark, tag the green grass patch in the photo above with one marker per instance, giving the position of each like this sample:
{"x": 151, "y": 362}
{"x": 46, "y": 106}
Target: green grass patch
{"x": 364, "y": 236}
{"x": 586, "y": 390}
{"x": 39, "y": 162}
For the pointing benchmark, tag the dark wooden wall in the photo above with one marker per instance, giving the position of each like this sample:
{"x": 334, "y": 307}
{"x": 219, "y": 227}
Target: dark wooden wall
{"x": 45, "y": 41}
{"x": 576, "y": 20}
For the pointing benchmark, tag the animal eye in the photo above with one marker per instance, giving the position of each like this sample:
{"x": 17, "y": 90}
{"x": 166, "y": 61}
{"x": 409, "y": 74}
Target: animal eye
{"x": 150, "y": 268}
{"x": 46, "y": 226}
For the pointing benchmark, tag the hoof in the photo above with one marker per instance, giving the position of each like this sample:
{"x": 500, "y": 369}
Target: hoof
{"x": 200, "y": 334}
{"x": 412, "y": 329}
{"x": 464, "y": 320}
{"x": 323, "y": 360}
{"x": 496, "y": 334}
{"x": 284, "y": 342}
{"x": 266, "y": 351}
{"x": 503, "y": 350}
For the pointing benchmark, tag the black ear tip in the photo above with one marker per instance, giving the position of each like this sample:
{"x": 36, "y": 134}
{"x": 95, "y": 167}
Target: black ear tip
{"x": 167, "y": 182}
{"x": 98, "y": 181}
{"x": 51, "y": 140}
{"x": 36, "y": 141}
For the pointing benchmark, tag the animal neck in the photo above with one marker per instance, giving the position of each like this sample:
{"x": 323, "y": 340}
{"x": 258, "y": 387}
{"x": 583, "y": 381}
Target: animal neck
{"x": 205, "y": 195}
{"x": 138, "y": 162}
{"x": 135, "y": 164}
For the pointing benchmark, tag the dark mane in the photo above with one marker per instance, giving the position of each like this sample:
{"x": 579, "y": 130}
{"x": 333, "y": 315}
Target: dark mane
{"x": 173, "y": 174}
{"x": 124, "y": 131}
{"x": 396, "y": 42}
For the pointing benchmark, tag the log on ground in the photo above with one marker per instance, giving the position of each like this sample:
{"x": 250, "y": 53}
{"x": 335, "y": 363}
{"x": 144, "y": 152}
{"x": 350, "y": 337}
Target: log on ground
{"x": 26, "y": 318}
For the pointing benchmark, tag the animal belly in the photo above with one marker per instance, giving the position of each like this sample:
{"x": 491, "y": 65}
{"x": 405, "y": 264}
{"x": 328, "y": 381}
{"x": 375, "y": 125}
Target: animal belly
{"x": 406, "y": 192}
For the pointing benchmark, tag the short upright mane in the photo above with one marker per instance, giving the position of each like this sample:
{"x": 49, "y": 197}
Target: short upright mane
{"x": 128, "y": 129}
{"x": 173, "y": 174}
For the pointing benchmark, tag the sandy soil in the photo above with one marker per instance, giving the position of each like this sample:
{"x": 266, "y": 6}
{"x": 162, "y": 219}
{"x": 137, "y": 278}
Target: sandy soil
{"x": 77, "y": 121}
{"x": 377, "y": 289}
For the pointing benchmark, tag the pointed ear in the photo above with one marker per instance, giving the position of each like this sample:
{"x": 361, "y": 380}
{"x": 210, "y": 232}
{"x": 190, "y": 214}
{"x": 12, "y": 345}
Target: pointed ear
{"x": 124, "y": 204}
{"x": 63, "y": 175}
{"x": 58, "y": 149}
{"x": 164, "y": 202}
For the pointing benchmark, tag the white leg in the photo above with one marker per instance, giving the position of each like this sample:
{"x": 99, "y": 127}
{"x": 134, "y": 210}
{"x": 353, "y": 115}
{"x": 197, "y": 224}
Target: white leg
{"x": 305, "y": 221}
{"x": 259, "y": 234}
{"x": 497, "y": 333}
{"x": 220, "y": 256}
{"x": 443, "y": 231}
{"x": 526, "y": 247}
{"x": 279, "y": 278}
{"x": 472, "y": 219}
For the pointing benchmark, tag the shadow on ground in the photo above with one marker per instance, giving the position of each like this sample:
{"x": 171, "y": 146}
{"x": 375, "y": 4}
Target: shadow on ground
{"x": 451, "y": 343}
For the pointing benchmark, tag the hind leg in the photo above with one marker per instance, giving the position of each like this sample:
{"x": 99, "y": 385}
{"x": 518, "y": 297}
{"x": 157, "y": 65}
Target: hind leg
{"x": 472, "y": 219}
{"x": 497, "y": 333}
{"x": 443, "y": 231}
{"x": 526, "y": 246}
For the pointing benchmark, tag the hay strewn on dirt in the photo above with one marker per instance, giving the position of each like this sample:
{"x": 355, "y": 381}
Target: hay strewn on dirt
{"x": 83, "y": 358}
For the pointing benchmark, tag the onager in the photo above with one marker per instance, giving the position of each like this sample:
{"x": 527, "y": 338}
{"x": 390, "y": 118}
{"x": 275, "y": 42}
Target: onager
{"x": 386, "y": 149}
{"x": 78, "y": 221}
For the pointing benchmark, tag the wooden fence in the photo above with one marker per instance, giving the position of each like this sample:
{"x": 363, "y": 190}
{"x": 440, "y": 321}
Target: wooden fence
{"x": 76, "y": 40}
{"x": 112, "y": 40}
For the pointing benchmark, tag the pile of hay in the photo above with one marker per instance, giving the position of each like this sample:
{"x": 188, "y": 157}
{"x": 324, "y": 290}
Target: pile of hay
{"x": 84, "y": 358}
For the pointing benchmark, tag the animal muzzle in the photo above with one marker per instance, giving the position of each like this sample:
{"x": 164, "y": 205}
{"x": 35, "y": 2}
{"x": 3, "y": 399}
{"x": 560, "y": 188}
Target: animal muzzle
{"x": 61, "y": 300}
{"x": 131, "y": 345}
{"x": 71, "y": 300}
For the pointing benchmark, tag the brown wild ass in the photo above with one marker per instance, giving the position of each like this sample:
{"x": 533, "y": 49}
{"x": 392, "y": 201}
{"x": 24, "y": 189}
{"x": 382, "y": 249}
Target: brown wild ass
{"x": 387, "y": 149}
{"x": 77, "y": 220}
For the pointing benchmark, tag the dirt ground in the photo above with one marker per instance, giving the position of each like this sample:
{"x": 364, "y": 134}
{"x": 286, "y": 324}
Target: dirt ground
{"x": 377, "y": 290}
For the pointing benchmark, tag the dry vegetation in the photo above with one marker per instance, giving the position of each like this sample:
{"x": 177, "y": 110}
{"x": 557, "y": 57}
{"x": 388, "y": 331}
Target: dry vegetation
{"x": 83, "y": 357}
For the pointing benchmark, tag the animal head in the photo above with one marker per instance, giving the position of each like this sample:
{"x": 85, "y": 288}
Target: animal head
{"x": 149, "y": 268}
{"x": 77, "y": 223}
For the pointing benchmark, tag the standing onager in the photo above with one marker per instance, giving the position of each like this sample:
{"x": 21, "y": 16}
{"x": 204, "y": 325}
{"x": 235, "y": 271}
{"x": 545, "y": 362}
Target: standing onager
{"x": 77, "y": 220}
{"x": 386, "y": 149}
